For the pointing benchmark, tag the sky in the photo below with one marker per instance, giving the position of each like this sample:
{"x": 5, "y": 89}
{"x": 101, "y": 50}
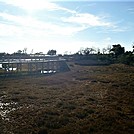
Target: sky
{"x": 65, "y": 25}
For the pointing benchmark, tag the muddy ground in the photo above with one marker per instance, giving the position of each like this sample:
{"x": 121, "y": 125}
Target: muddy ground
{"x": 85, "y": 100}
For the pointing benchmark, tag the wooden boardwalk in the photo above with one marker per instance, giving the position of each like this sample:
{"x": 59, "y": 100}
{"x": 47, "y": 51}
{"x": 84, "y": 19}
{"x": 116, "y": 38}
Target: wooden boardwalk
{"x": 32, "y": 65}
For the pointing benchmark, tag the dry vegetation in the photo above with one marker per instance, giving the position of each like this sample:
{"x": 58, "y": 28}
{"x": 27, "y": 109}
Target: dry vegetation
{"x": 85, "y": 100}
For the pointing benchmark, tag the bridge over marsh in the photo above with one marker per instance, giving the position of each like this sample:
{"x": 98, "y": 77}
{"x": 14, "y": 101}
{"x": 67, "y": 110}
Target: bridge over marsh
{"x": 12, "y": 65}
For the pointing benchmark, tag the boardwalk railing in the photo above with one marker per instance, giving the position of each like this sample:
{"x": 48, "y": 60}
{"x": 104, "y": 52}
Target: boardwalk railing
{"x": 32, "y": 65}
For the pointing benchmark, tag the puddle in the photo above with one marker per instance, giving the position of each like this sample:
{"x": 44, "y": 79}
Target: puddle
{"x": 48, "y": 72}
{"x": 6, "y": 107}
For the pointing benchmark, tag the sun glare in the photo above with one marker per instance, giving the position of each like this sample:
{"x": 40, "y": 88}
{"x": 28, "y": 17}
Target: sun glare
{"x": 34, "y": 5}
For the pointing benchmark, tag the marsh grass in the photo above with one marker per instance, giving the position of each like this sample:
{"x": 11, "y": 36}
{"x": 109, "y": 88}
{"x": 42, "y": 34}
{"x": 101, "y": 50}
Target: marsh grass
{"x": 97, "y": 99}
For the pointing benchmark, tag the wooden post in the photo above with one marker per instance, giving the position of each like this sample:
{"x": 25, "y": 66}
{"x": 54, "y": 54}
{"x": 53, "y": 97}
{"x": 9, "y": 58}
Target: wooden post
{"x": 47, "y": 65}
{"x": 36, "y": 66}
{"x": 42, "y": 66}
{"x": 20, "y": 67}
{"x": 52, "y": 65}
{"x": 5, "y": 68}
{"x": 28, "y": 67}
{"x": 55, "y": 65}
{"x": 12, "y": 66}
{"x": 17, "y": 67}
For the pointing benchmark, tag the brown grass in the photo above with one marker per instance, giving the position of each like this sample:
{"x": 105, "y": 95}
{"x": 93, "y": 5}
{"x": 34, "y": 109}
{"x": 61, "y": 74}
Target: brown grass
{"x": 84, "y": 100}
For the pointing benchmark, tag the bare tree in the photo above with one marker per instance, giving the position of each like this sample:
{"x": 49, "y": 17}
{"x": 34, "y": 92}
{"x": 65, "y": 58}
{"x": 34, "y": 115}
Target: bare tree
{"x": 104, "y": 50}
{"x": 25, "y": 50}
{"x": 108, "y": 48}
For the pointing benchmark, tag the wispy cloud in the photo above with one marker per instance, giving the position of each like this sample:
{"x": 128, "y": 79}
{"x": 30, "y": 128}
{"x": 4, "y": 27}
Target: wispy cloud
{"x": 31, "y": 4}
{"x": 119, "y": 26}
{"x": 68, "y": 25}
{"x": 35, "y": 30}
{"x": 86, "y": 19}
{"x": 28, "y": 24}
{"x": 130, "y": 10}
{"x": 34, "y": 5}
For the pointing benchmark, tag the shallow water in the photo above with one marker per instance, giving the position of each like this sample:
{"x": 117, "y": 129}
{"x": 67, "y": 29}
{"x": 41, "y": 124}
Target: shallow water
{"x": 48, "y": 72}
{"x": 11, "y": 69}
{"x": 6, "y": 107}
{"x": 0, "y": 65}
{"x": 8, "y": 69}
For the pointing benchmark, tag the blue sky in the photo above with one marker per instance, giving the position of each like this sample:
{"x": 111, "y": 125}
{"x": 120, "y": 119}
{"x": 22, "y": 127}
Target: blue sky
{"x": 67, "y": 26}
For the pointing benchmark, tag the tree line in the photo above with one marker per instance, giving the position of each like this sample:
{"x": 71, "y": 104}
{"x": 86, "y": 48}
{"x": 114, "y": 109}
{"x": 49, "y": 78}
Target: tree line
{"x": 114, "y": 54}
